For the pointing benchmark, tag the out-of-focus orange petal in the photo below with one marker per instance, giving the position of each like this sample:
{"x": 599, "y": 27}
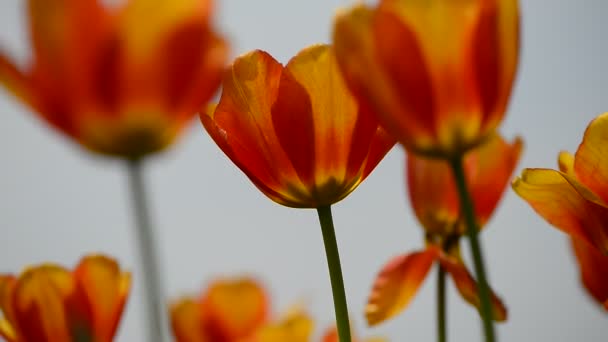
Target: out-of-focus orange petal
{"x": 296, "y": 326}
{"x": 234, "y": 309}
{"x": 593, "y": 269}
{"x": 355, "y": 51}
{"x": 104, "y": 288}
{"x": 16, "y": 82}
{"x": 7, "y": 322}
{"x": 496, "y": 51}
{"x": 397, "y": 283}
{"x": 432, "y": 191}
{"x": 332, "y": 336}
{"x": 591, "y": 158}
{"x": 467, "y": 287}
{"x": 488, "y": 170}
{"x": 39, "y": 299}
{"x": 553, "y": 196}
{"x": 187, "y": 321}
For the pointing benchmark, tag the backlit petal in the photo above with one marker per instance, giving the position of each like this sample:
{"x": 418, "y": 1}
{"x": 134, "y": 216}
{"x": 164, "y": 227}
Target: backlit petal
{"x": 39, "y": 301}
{"x": 8, "y": 321}
{"x": 16, "y": 82}
{"x": 553, "y": 196}
{"x": 467, "y": 287}
{"x": 397, "y": 283}
{"x": 296, "y": 326}
{"x": 593, "y": 270}
{"x": 187, "y": 321}
{"x": 234, "y": 309}
{"x": 432, "y": 191}
{"x": 105, "y": 288}
{"x": 591, "y": 159}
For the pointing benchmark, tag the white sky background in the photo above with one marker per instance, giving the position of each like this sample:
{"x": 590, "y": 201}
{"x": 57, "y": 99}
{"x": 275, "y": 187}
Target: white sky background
{"x": 58, "y": 202}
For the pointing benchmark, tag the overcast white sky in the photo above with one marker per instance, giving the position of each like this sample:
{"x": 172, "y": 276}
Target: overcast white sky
{"x": 58, "y": 202}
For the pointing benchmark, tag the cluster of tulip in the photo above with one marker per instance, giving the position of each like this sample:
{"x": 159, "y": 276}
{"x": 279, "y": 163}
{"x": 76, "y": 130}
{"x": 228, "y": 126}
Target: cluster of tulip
{"x": 434, "y": 77}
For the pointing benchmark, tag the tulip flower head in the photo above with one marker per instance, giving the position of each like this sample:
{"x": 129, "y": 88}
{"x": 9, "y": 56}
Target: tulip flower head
{"x": 48, "y": 303}
{"x": 235, "y": 311}
{"x": 574, "y": 199}
{"x": 432, "y": 191}
{"x": 296, "y": 131}
{"x": 121, "y": 80}
{"x": 437, "y": 73}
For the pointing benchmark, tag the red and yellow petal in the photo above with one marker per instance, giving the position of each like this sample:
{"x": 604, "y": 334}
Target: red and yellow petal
{"x": 590, "y": 163}
{"x": 104, "y": 288}
{"x": 296, "y": 326}
{"x": 397, "y": 283}
{"x": 432, "y": 191}
{"x": 7, "y": 322}
{"x": 242, "y": 126}
{"x": 553, "y": 196}
{"x": 593, "y": 270}
{"x": 39, "y": 303}
{"x": 234, "y": 309}
{"x": 467, "y": 287}
{"x": 187, "y": 321}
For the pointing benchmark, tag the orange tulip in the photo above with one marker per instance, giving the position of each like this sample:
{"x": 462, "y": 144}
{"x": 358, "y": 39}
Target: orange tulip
{"x": 433, "y": 195}
{"x": 296, "y": 131}
{"x": 594, "y": 270}
{"x": 235, "y": 311}
{"x": 121, "y": 81}
{"x": 48, "y": 303}
{"x": 574, "y": 199}
{"x": 438, "y": 73}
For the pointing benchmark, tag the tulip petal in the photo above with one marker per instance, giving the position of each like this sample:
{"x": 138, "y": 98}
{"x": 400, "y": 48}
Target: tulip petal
{"x": 335, "y": 110}
{"x": 105, "y": 288}
{"x": 593, "y": 269}
{"x": 354, "y": 46}
{"x": 234, "y": 309}
{"x": 432, "y": 191}
{"x": 186, "y": 322}
{"x": 496, "y": 52}
{"x": 397, "y": 283}
{"x": 467, "y": 287}
{"x": 488, "y": 170}
{"x": 553, "y": 196}
{"x": 7, "y": 286}
{"x": 39, "y": 299}
{"x": 17, "y": 83}
{"x": 297, "y": 326}
{"x": 590, "y": 160}
{"x": 242, "y": 126}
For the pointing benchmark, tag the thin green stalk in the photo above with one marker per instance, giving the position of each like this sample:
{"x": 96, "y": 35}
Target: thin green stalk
{"x": 441, "y": 306}
{"x": 153, "y": 290}
{"x": 335, "y": 272}
{"x": 468, "y": 210}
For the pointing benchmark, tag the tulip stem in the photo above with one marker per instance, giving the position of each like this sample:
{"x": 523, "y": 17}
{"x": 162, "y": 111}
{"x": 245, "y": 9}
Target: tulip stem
{"x": 335, "y": 272}
{"x": 468, "y": 210}
{"x": 441, "y": 305}
{"x": 147, "y": 245}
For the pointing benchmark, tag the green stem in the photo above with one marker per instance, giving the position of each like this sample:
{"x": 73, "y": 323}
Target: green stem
{"x": 441, "y": 304}
{"x": 468, "y": 210}
{"x": 335, "y": 272}
{"x": 152, "y": 281}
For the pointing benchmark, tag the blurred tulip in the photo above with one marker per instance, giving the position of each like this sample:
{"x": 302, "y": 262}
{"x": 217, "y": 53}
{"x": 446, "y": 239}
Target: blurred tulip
{"x": 574, "y": 199}
{"x": 437, "y": 73}
{"x": 296, "y": 131}
{"x": 48, "y": 303}
{"x": 235, "y": 311}
{"x": 332, "y": 336}
{"x": 121, "y": 81}
{"x": 434, "y": 199}
{"x": 594, "y": 270}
